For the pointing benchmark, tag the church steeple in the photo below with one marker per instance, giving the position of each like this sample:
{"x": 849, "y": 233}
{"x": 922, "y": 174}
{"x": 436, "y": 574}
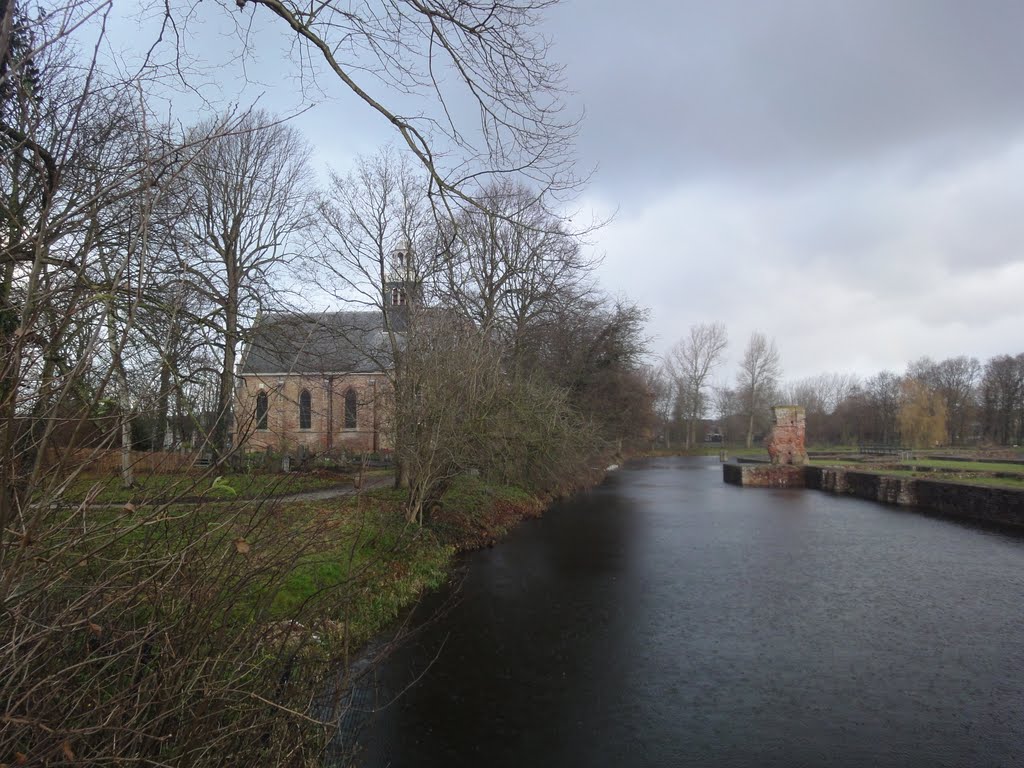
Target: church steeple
{"x": 402, "y": 284}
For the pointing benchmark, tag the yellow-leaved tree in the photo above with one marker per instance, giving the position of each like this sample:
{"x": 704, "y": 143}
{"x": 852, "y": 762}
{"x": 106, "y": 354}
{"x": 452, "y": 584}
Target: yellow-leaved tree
{"x": 922, "y": 415}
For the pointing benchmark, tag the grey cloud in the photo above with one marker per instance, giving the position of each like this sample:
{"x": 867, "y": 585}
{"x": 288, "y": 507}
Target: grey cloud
{"x": 698, "y": 88}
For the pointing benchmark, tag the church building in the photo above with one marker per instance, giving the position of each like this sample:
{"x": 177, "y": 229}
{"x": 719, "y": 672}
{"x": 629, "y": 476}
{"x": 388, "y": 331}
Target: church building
{"x": 321, "y": 382}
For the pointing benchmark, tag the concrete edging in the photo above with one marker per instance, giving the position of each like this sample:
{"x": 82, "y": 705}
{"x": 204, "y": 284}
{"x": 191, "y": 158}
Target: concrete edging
{"x": 972, "y": 502}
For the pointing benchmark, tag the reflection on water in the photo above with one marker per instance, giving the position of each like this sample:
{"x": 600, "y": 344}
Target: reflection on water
{"x": 668, "y": 619}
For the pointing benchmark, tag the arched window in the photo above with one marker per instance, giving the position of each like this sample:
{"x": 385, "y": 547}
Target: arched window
{"x": 305, "y": 410}
{"x": 261, "y": 410}
{"x": 350, "y": 409}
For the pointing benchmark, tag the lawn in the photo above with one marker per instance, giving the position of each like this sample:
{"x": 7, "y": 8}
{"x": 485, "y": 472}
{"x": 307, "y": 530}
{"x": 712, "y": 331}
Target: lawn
{"x": 159, "y": 488}
{"x": 968, "y": 466}
{"x": 969, "y": 472}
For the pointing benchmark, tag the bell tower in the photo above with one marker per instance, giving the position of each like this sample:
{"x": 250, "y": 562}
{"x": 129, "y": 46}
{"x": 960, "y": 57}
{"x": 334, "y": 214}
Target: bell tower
{"x": 401, "y": 283}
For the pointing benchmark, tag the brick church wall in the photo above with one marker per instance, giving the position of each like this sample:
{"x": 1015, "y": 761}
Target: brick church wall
{"x": 327, "y": 432}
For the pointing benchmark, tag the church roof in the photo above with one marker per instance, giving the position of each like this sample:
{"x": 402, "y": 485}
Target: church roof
{"x": 331, "y": 342}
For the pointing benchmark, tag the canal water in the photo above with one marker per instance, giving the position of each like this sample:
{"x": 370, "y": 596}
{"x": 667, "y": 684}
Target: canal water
{"x": 668, "y": 619}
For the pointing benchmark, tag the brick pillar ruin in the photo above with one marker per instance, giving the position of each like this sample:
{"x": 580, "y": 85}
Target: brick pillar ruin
{"x": 786, "y": 442}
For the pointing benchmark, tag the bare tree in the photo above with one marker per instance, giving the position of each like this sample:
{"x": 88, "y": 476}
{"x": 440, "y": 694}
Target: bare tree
{"x": 883, "y": 395}
{"x": 955, "y": 380}
{"x": 379, "y": 251}
{"x": 1002, "y": 399}
{"x": 820, "y": 396}
{"x": 691, "y": 362}
{"x": 247, "y": 196}
{"x": 510, "y": 265}
{"x": 380, "y": 207}
{"x": 758, "y": 377}
{"x": 460, "y": 410}
{"x": 489, "y": 88}
{"x": 662, "y": 388}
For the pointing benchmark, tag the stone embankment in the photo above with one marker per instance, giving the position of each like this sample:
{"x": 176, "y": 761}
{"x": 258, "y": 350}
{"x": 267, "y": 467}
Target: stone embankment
{"x": 970, "y": 502}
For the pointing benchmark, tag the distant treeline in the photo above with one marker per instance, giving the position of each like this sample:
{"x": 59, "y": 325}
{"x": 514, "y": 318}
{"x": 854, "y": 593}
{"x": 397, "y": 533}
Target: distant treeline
{"x": 957, "y": 401}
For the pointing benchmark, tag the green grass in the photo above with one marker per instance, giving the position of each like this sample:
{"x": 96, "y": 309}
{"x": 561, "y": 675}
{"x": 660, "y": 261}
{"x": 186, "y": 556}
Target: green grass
{"x": 967, "y": 466}
{"x": 107, "y": 489}
{"x": 376, "y": 564}
{"x": 967, "y": 472}
{"x": 997, "y": 482}
{"x": 353, "y": 561}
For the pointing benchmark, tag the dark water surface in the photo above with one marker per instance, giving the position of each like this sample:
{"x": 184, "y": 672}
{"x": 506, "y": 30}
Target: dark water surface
{"x": 668, "y": 619}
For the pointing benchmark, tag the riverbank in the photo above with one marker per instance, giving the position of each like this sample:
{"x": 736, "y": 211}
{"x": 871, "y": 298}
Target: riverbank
{"x": 958, "y": 499}
{"x": 255, "y": 605}
{"x": 374, "y": 564}
{"x": 668, "y": 619}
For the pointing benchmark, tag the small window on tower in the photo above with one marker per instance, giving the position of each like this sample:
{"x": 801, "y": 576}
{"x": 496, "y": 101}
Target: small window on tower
{"x": 394, "y": 297}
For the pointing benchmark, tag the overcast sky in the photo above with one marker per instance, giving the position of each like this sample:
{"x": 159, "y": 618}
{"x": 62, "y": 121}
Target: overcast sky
{"x": 846, "y": 176}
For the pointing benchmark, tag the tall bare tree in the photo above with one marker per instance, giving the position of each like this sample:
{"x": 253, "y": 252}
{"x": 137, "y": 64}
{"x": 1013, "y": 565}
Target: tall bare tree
{"x": 758, "y": 377}
{"x": 661, "y": 386}
{"x": 248, "y": 195}
{"x": 691, "y": 362}
{"x": 883, "y": 396}
{"x": 379, "y": 238}
{"x": 378, "y": 208}
{"x": 1002, "y": 399}
{"x": 511, "y": 265}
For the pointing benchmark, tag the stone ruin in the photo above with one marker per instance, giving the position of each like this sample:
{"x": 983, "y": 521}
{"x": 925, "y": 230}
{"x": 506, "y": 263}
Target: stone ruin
{"x": 785, "y": 444}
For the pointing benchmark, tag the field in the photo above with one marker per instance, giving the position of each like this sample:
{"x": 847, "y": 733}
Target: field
{"x": 1002, "y": 475}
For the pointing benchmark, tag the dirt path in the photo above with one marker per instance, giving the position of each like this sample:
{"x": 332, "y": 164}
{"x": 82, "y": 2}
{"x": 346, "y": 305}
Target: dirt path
{"x": 334, "y": 493}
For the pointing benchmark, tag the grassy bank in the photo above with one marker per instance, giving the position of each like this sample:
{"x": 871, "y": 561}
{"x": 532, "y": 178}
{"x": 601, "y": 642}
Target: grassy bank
{"x": 374, "y": 564}
{"x": 213, "y": 628}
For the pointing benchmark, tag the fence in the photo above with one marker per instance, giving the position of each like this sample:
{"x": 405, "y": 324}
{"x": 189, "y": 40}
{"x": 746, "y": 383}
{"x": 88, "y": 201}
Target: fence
{"x": 145, "y": 462}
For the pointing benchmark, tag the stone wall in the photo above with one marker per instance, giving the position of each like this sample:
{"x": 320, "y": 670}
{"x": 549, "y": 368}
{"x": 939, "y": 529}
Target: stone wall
{"x": 970, "y": 502}
{"x": 997, "y": 505}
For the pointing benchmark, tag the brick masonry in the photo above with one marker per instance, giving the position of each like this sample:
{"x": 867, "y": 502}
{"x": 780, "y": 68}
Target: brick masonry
{"x": 327, "y": 432}
{"x": 764, "y": 475}
{"x": 785, "y": 443}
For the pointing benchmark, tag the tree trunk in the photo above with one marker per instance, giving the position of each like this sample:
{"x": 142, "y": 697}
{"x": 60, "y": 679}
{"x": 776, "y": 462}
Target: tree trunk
{"x": 160, "y": 440}
{"x": 226, "y": 387}
{"x": 127, "y": 478}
